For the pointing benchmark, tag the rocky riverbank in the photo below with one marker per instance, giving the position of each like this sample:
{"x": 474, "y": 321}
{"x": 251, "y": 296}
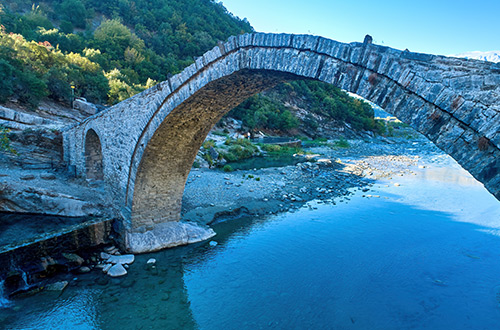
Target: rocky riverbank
{"x": 329, "y": 174}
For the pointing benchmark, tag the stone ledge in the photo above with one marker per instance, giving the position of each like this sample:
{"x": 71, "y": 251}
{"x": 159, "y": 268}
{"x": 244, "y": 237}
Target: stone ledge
{"x": 167, "y": 235}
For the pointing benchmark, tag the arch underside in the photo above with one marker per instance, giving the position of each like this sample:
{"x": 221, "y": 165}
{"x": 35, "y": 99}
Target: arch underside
{"x": 168, "y": 157}
{"x": 93, "y": 156}
{"x": 167, "y": 160}
{"x": 452, "y": 102}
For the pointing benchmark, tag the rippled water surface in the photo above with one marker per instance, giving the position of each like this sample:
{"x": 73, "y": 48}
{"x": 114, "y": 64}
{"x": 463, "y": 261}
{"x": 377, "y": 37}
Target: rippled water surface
{"x": 422, "y": 255}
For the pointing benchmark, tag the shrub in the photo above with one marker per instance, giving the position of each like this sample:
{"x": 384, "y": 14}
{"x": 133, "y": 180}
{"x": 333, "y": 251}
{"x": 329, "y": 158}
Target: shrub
{"x": 208, "y": 144}
{"x": 4, "y": 140}
{"x": 227, "y": 168}
{"x": 341, "y": 143}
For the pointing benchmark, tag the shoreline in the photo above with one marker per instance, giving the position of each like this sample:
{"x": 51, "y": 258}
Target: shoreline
{"x": 211, "y": 195}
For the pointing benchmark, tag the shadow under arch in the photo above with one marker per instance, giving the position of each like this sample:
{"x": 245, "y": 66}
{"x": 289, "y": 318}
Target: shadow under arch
{"x": 152, "y": 138}
{"x": 93, "y": 157}
{"x": 168, "y": 145}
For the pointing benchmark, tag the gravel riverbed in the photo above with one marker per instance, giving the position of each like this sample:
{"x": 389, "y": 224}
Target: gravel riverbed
{"x": 334, "y": 174}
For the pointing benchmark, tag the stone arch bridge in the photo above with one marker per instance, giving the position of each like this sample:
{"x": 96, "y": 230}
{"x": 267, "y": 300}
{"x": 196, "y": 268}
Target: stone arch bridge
{"x": 143, "y": 147}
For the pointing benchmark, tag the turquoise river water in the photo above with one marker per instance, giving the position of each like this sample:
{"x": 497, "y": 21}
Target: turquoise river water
{"x": 421, "y": 255}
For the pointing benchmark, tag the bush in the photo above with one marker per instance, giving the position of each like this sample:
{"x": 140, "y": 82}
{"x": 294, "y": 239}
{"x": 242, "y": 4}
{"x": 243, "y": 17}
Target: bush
{"x": 4, "y": 140}
{"x": 208, "y": 144}
{"x": 227, "y": 168}
{"x": 341, "y": 143}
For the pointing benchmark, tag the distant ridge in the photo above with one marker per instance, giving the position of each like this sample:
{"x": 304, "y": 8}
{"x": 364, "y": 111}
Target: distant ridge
{"x": 491, "y": 56}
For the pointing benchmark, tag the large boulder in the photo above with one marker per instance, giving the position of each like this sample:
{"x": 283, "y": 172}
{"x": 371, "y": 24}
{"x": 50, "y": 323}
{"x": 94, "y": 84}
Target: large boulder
{"x": 84, "y": 106}
{"x": 166, "y": 235}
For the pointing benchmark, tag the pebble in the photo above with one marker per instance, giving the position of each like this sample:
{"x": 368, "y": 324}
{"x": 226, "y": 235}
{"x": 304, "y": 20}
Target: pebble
{"x": 151, "y": 261}
{"x": 84, "y": 270}
{"x": 27, "y": 177}
{"x": 213, "y": 243}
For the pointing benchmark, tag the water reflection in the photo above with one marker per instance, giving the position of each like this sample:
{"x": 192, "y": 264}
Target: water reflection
{"x": 420, "y": 256}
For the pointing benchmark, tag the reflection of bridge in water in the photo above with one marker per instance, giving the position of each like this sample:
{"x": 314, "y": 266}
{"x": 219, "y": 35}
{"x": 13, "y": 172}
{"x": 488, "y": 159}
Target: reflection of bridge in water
{"x": 144, "y": 147}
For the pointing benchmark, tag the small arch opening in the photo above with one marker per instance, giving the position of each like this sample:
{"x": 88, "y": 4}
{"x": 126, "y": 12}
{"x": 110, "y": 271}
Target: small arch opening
{"x": 93, "y": 157}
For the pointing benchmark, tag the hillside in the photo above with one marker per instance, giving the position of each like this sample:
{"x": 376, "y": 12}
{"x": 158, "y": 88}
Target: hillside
{"x": 111, "y": 50}
{"x": 126, "y": 45}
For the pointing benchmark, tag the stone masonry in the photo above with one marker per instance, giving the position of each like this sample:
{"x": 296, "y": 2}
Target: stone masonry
{"x": 149, "y": 141}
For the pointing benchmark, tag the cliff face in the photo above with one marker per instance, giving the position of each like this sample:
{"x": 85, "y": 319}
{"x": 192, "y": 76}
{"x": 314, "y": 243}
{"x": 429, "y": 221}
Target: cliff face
{"x": 33, "y": 176}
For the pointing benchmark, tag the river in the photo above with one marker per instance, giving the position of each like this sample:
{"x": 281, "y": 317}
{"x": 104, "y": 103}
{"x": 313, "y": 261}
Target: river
{"x": 423, "y": 252}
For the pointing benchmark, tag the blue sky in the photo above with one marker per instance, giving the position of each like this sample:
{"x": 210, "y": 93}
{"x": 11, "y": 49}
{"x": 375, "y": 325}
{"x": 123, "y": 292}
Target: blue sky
{"x": 430, "y": 26}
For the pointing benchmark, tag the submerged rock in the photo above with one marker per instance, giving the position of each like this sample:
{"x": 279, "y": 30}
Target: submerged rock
{"x": 58, "y": 286}
{"x": 74, "y": 258}
{"x": 84, "y": 270}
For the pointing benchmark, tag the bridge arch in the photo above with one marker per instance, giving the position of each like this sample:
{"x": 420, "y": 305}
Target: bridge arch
{"x": 454, "y": 102}
{"x": 93, "y": 156}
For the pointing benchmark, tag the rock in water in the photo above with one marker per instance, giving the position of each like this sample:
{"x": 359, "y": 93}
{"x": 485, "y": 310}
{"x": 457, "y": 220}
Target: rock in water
{"x": 213, "y": 243}
{"x": 151, "y": 261}
{"x": 84, "y": 270}
{"x": 106, "y": 268}
{"x": 165, "y": 235}
{"x": 58, "y": 286}
{"x": 74, "y": 258}
{"x": 124, "y": 259}
{"x": 117, "y": 270}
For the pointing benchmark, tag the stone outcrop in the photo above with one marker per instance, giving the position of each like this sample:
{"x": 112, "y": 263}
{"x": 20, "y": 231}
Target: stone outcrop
{"x": 46, "y": 201}
{"x": 84, "y": 106}
{"x": 150, "y": 140}
{"x": 166, "y": 235}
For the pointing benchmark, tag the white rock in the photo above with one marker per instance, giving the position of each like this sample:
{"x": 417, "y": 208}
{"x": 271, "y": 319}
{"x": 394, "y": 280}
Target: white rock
{"x": 106, "y": 268}
{"x": 213, "y": 243}
{"x": 151, "y": 261}
{"x": 124, "y": 259}
{"x": 117, "y": 270}
{"x": 105, "y": 256}
{"x": 167, "y": 235}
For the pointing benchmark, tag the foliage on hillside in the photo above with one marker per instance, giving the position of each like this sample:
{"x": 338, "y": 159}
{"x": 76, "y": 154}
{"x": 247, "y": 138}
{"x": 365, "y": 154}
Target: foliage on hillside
{"x": 32, "y": 71}
{"x": 135, "y": 42}
{"x": 268, "y": 110}
{"x": 110, "y": 50}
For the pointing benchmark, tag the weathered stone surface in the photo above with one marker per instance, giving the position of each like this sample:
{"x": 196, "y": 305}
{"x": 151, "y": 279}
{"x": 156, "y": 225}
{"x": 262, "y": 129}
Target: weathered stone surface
{"x": 74, "y": 258}
{"x": 165, "y": 235}
{"x": 123, "y": 259}
{"x": 84, "y": 106}
{"x": 58, "y": 286}
{"x": 117, "y": 270}
{"x": 44, "y": 201}
{"x": 148, "y": 142}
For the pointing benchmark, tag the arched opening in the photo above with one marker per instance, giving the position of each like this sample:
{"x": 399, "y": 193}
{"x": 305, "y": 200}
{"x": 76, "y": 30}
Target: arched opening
{"x": 93, "y": 157}
{"x": 188, "y": 105}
